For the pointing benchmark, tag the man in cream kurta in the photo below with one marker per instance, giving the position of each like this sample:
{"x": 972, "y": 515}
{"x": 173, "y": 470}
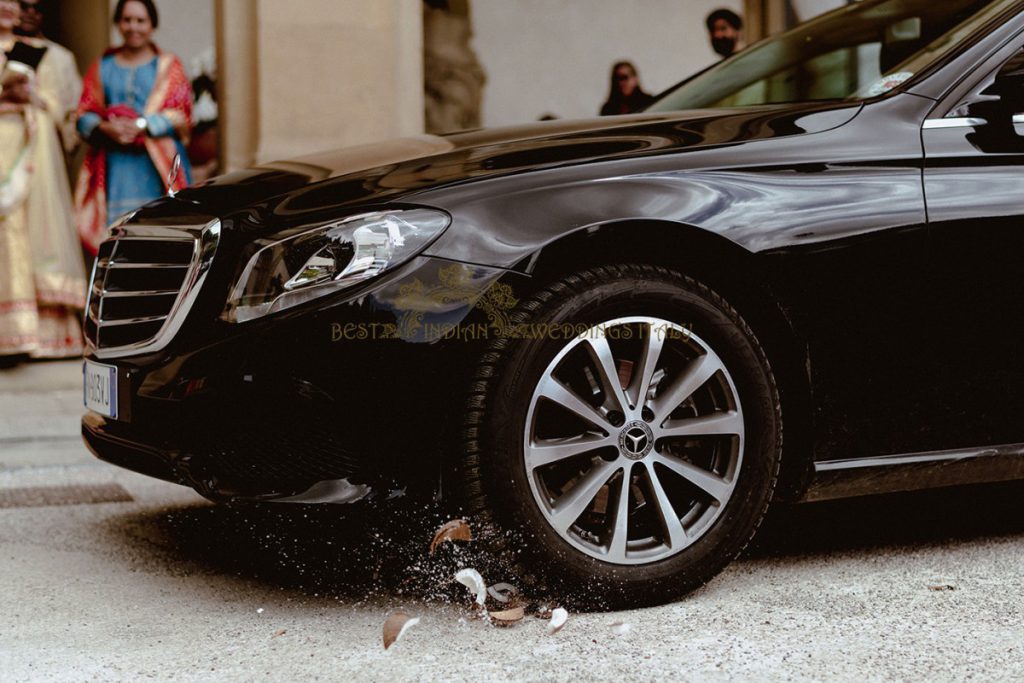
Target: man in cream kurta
{"x": 67, "y": 80}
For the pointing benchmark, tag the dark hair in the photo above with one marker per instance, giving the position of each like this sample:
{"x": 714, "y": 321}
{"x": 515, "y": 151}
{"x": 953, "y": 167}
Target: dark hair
{"x": 154, "y": 16}
{"x": 616, "y": 67}
{"x": 615, "y": 97}
{"x": 728, "y": 15}
{"x": 43, "y": 6}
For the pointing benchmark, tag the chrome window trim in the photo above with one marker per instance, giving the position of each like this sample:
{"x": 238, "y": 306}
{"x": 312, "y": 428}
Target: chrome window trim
{"x": 954, "y": 122}
{"x": 963, "y": 122}
{"x": 205, "y": 240}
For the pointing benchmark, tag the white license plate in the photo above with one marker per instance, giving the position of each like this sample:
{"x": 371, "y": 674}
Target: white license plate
{"x": 99, "y": 388}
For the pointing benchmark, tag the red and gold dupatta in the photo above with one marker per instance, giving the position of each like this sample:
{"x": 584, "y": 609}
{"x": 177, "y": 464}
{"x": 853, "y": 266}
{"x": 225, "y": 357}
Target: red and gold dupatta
{"x": 172, "y": 97}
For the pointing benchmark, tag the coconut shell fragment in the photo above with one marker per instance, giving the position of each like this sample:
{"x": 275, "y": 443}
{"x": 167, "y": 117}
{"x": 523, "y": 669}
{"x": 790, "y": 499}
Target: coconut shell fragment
{"x": 558, "y": 618}
{"x": 471, "y": 579}
{"x": 455, "y": 530}
{"x": 508, "y": 617}
{"x": 395, "y": 627}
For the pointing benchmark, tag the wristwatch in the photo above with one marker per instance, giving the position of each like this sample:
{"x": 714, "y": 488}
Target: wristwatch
{"x": 142, "y": 124}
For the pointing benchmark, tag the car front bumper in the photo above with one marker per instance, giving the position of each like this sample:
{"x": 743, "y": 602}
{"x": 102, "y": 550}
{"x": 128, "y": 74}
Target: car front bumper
{"x": 335, "y": 404}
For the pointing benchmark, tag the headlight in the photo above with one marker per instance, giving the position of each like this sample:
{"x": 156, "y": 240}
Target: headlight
{"x": 330, "y": 258}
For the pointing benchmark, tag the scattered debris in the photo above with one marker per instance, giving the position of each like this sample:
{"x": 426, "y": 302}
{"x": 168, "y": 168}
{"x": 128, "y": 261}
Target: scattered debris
{"x": 508, "y": 617}
{"x": 502, "y": 592}
{"x": 620, "y": 628}
{"x": 942, "y": 587}
{"x": 471, "y": 579}
{"x": 280, "y": 632}
{"x": 395, "y": 627}
{"x": 558, "y": 618}
{"x": 455, "y": 530}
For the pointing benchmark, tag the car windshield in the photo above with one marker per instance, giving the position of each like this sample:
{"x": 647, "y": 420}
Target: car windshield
{"x": 860, "y": 51}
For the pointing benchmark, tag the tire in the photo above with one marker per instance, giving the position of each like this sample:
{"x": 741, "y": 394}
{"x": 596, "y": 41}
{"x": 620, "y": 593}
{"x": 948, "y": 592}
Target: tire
{"x": 716, "y": 473}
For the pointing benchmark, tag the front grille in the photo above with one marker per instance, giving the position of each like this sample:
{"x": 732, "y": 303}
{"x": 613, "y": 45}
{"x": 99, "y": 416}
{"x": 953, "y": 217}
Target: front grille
{"x": 144, "y": 280}
{"x": 135, "y": 286}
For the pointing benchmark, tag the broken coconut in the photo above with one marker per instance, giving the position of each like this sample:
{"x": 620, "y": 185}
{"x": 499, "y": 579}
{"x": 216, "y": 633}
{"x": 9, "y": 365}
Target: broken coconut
{"x": 455, "y": 530}
{"x": 620, "y": 628}
{"x": 558, "y": 618}
{"x": 502, "y": 592}
{"x": 508, "y": 617}
{"x": 471, "y": 579}
{"x": 395, "y": 627}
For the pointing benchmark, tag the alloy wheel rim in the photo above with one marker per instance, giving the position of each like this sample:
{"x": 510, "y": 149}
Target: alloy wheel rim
{"x": 633, "y": 440}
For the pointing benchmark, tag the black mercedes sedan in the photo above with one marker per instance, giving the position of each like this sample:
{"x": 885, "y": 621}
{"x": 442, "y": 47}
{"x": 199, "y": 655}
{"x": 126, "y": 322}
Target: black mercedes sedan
{"x": 611, "y": 343}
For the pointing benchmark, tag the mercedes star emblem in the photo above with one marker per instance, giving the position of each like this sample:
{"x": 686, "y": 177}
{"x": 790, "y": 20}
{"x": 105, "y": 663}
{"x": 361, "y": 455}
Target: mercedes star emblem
{"x": 636, "y": 440}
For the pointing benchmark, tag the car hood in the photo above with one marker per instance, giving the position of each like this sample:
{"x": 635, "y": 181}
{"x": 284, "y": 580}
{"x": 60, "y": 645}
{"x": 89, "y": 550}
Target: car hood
{"x": 299, "y": 189}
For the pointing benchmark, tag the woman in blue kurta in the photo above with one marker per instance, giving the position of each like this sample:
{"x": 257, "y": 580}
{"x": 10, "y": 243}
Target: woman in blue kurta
{"x": 136, "y": 112}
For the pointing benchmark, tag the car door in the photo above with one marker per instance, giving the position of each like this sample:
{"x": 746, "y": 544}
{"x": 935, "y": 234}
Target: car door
{"x": 974, "y": 193}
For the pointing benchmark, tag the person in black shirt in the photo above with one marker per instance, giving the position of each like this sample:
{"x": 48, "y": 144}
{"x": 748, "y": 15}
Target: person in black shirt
{"x": 725, "y": 30}
{"x": 626, "y": 96}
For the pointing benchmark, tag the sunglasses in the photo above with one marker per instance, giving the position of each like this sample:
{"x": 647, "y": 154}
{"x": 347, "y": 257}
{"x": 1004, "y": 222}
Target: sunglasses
{"x": 620, "y": 77}
{"x": 29, "y": 6}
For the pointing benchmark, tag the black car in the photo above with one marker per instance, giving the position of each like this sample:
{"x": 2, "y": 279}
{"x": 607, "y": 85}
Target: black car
{"x": 613, "y": 342}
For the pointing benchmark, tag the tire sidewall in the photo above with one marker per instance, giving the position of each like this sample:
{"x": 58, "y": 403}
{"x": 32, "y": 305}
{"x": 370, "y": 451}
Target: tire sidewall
{"x": 633, "y": 291}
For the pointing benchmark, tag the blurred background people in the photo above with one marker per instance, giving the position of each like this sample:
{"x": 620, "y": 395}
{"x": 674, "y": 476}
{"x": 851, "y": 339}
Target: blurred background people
{"x": 203, "y": 149}
{"x": 725, "y": 30}
{"x": 625, "y": 95}
{"x": 62, "y": 63}
{"x": 42, "y": 278}
{"x": 136, "y": 115}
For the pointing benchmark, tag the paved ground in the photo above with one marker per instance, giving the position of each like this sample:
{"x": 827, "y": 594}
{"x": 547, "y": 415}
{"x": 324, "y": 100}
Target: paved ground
{"x": 168, "y": 587}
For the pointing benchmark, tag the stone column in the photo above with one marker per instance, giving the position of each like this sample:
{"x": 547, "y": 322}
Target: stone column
{"x": 454, "y": 78}
{"x": 297, "y": 78}
{"x": 763, "y": 18}
{"x": 83, "y": 28}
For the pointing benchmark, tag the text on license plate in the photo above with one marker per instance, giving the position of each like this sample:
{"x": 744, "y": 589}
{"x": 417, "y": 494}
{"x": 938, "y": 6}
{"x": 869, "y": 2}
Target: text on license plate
{"x": 99, "y": 388}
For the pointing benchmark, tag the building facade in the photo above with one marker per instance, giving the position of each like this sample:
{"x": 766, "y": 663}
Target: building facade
{"x": 308, "y": 75}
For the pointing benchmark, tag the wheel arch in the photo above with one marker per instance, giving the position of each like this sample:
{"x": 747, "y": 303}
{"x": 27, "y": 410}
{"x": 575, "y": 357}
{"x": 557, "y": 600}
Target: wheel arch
{"x": 736, "y": 274}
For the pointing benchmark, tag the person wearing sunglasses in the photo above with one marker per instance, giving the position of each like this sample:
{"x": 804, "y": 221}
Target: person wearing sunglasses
{"x": 69, "y": 81}
{"x": 625, "y": 96}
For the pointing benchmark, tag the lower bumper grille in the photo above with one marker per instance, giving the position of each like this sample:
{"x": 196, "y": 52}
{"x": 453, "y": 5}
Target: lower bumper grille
{"x": 239, "y": 444}
{"x": 260, "y": 461}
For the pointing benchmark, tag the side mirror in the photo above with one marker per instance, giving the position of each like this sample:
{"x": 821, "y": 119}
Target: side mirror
{"x": 1008, "y": 86}
{"x": 1000, "y": 103}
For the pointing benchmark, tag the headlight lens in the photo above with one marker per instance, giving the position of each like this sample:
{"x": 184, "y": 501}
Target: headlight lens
{"x": 330, "y": 258}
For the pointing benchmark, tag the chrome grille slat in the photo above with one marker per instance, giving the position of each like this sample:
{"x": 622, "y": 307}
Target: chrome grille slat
{"x": 113, "y": 265}
{"x": 114, "y": 294}
{"x": 146, "y": 318}
{"x": 132, "y": 321}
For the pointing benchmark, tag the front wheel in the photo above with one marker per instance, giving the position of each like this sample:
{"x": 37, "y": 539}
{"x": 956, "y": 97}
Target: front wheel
{"x": 626, "y": 443}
